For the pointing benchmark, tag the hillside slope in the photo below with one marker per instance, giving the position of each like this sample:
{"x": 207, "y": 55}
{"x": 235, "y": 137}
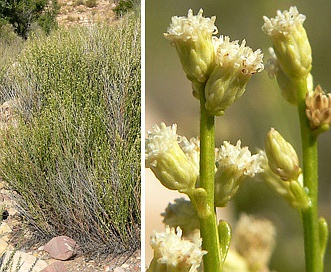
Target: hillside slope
{"x": 84, "y": 12}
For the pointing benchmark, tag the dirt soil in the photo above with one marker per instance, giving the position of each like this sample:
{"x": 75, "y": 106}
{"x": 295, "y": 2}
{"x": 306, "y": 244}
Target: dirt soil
{"x": 124, "y": 263}
{"x": 73, "y": 12}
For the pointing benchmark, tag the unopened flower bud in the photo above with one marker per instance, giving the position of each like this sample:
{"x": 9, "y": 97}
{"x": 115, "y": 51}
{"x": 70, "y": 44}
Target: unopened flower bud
{"x": 319, "y": 108}
{"x": 292, "y": 191}
{"x": 167, "y": 160}
{"x": 181, "y": 214}
{"x": 192, "y": 37}
{"x": 282, "y": 158}
{"x": 290, "y": 42}
{"x": 234, "y": 66}
{"x": 255, "y": 241}
{"x": 235, "y": 163}
{"x": 172, "y": 253}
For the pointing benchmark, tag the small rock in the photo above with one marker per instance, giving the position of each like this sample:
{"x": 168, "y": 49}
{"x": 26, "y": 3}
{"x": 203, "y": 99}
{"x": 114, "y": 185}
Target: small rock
{"x": 55, "y": 267}
{"x": 7, "y": 237}
{"x": 119, "y": 269}
{"x": 4, "y": 228}
{"x": 3, "y": 246}
{"x": 24, "y": 261}
{"x": 12, "y": 211}
{"x": 41, "y": 248}
{"x": 61, "y": 248}
{"x": 125, "y": 265}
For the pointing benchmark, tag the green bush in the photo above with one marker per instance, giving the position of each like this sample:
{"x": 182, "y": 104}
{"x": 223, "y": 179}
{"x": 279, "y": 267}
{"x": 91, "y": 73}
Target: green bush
{"x": 74, "y": 160}
{"x": 10, "y": 47}
{"x": 91, "y": 3}
{"x": 23, "y": 13}
{"x": 124, "y": 6}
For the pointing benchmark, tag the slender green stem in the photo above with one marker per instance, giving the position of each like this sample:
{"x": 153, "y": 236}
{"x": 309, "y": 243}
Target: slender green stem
{"x": 314, "y": 260}
{"x": 208, "y": 223}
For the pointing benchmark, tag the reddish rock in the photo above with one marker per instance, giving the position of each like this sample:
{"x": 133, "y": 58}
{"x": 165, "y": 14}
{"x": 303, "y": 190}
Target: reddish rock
{"x": 61, "y": 248}
{"x": 55, "y": 267}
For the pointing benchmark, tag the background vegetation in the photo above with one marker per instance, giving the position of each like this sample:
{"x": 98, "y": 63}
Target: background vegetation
{"x": 23, "y": 15}
{"x": 169, "y": 99}
{"x": 74, "y": 159}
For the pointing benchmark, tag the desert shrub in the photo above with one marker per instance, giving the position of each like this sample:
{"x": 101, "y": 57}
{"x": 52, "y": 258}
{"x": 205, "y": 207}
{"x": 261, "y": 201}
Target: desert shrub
{"x": 124, "y": 6}
{"x": 74, "y": 160}
{"x": 91, "y": 3}
{"x": 23, "y": 13}
{"x": 10, "y": 46}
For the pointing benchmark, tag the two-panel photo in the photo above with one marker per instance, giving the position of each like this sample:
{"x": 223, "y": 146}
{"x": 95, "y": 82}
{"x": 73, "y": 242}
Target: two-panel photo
{"x": 165, "y": 136}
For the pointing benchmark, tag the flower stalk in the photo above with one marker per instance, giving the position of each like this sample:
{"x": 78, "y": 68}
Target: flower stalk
{"x": 310, "y": 219}
{"x": 208, "y": 223}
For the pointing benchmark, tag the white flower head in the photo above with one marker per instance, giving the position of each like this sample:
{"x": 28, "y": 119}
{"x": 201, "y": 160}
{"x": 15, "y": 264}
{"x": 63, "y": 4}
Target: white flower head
{"x": 290, "y": 42}
{"x": 234, "y": 65}
{"x": 235, "y": 163}
{"x": 283, "y": 23}
{"x": 237, "y": 56}
{"x": 158, "y": 141}
{"x": 191, "y": 27}
{"x": 170, "y": 249}
{"x": 167, "y": 160}
{"x": 192, "y": 37}
{"x": 239, "y": 157}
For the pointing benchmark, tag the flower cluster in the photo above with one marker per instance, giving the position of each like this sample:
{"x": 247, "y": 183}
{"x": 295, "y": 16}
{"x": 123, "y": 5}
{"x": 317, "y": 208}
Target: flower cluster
{"x": 237, "y": 56}
{"x": 284, "y": 22}
{"x": 234, "y": 65}
{"x": 175, "y": 162}
{"x": 173, "y": 253}
{"x": 192, "y": 27}
{"x": 239, "y": 157}
{"x": 290, "y": 42}
{"x": 234, "y": 164}
{"x": 192, "y": 37}
{"x": 225, "y": 66}
{"x": 167, "y": 160}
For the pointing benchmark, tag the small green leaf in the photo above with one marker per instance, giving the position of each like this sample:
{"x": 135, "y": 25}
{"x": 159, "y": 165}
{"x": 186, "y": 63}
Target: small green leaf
{"x": 323, "y": 235}
{"x": 224, "y": 234}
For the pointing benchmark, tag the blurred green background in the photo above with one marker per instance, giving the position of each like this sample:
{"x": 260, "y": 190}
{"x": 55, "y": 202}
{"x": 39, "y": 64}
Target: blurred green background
{"x": 169, "y": 99}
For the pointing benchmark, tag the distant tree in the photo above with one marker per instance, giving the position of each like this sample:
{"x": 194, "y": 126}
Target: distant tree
{"x": 22, "y": 13}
